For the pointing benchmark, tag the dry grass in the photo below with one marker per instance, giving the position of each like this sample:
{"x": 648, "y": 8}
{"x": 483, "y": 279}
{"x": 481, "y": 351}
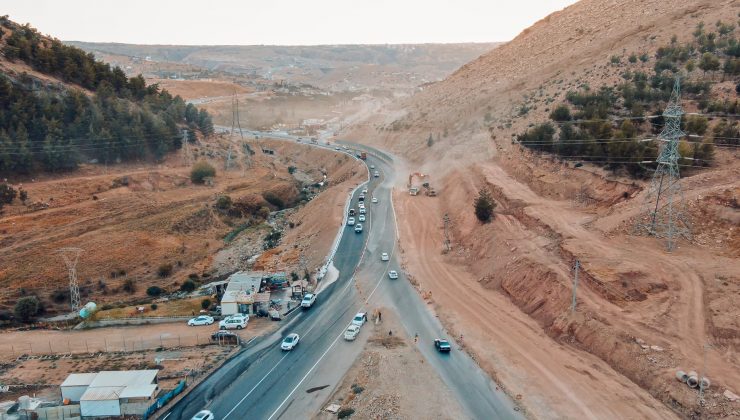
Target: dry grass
{"x": 181, "y": 307}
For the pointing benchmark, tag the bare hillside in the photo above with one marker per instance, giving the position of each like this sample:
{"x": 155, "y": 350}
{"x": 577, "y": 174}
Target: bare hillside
{"x": 642, "y": 313}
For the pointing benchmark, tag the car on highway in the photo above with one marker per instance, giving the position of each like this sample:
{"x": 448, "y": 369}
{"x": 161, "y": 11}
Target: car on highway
{"x": 203, "y": 415}
{"x": 201, "y": 320}
{"x": 375, "y": 200}
{"x": 290, "y": 341}
{"x": 361, "y": 218}
{"x": 442, "y": 345}
{"x": 362, "y": 210}
{"x": 393, "y": 274}
{"x": 351, "y": 221}
{"x": 361, "y": 205}
{"x": 351, "y": 212}
{"x": 358, "y": 228}
{"x": 233, "y": 323}
{"x": 361, "y": 198}
{"x": 359, "y": 319}
{"x": 376, "y": 174}
{"x": 372, "y": 166}
{"x": 364, "y": 192}
{"x": 352, "y": 332}
{"x": 308, "y": 300}
{"x": 384, "y": 257}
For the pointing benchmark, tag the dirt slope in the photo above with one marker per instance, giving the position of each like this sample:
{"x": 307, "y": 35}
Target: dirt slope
{"x": 642, "y": 313}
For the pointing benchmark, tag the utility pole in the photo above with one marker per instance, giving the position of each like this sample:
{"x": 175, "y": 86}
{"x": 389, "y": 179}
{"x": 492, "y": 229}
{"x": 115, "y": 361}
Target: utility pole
{"x": 446, "y": 220}
{"x": 186, "y": 145}
{"x": 575, "y": 287}
{"x": 235, "y": 115}
{"x": 71, "y": 256}
{"x": 664, "y": 215}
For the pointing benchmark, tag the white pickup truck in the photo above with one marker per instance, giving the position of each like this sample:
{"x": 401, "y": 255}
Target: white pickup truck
{"x": 308, "y": 300}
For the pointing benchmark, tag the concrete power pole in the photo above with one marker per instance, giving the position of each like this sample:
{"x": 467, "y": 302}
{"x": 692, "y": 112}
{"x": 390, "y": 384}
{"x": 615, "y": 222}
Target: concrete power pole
{"x": 71, "y": 256}
{"x": 446, "y": 220}
{"x": 575, "y": 287}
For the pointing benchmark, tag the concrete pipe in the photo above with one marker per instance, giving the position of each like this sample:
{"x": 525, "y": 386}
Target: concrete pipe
{"x": 682, "y": 376}
{"x": 705, "y": 382}
{"x": 693, "y": 380}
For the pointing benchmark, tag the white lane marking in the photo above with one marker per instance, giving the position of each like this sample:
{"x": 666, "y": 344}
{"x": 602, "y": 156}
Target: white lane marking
{"x": 255, "y": 387}
{"x": 165, "y": 417}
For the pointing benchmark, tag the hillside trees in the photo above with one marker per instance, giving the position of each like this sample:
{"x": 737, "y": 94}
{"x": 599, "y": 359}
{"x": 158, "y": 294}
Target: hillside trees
{"x": 484, "y": 205}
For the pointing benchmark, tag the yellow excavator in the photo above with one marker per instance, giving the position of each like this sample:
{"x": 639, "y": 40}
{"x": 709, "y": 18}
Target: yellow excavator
{"x": 414, "y": 190}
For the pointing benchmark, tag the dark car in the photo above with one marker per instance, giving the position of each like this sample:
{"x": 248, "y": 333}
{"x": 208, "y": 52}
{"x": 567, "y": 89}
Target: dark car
{"x": 224, "y": 336}
{"x": 442, "y": 345}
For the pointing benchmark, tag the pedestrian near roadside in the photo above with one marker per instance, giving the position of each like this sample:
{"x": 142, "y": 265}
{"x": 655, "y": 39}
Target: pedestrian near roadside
{"x": 380, "y": 316}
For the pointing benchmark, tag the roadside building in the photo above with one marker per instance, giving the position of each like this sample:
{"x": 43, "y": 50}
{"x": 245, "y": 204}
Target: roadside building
{"x": 312, "y": 126}
{"x": 240, "y": 293}
{"x": 111, "y": 393}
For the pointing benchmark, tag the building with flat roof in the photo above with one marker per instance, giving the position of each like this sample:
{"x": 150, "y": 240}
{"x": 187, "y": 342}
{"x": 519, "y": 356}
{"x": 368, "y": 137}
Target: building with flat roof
{"x": 111, "y": 393}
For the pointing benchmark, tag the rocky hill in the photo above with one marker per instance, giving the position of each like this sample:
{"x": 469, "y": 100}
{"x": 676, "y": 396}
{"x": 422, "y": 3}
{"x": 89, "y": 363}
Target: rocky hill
{"x": 604, "y": 70}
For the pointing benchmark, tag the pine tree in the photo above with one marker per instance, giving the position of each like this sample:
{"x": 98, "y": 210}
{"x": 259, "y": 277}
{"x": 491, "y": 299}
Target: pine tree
{"x": 484, "y": 206}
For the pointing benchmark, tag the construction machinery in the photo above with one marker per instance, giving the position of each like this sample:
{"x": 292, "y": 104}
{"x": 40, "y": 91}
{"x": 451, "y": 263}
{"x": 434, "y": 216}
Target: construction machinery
{"x": 414, "y": 190}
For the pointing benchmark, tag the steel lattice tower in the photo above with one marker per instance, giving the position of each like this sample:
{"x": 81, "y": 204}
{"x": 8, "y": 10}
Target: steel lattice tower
{"x": 71, "y": 256}
{"x": 664, "y": 215}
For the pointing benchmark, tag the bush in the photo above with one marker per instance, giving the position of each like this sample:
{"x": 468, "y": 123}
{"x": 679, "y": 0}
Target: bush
{"x": 154, "y": 291}
{"x": 129, "y": 286}
{"x": 188, "y": 286}
{"x": 201, "y": 171}
{"x": 345, "y": 412}
{"x": 561, "y": 113}
{"x": 291, "y": 169}
{"x": 273, "y": 199}
{"x": 7, "y": 194}
{"x": 205, "y": 303}
{"x": 59, "y": 296}
{"x": 223, "y": 202}
{"x": 153, "y": 306}
{"x": 27, "y": 308}
{"x": 164, "y": 270}
{"x": 484, "y": 206}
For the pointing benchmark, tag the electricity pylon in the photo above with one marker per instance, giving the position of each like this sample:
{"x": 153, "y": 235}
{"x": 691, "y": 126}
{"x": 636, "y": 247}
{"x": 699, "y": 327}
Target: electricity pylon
{"x": 71, "y": 256}
{"x": 664, "y": 215}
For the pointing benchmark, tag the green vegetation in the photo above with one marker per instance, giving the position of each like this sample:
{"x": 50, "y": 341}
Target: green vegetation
{"x": 164, "y": 270}
{"x": 154, "y": 291}
{"x": 612, "y": 126}
{"x": 188, "y": 286}
{"x": 484, "y": 206}
{"x": 205, "y": 303}
{"x": 26, "y": 308}
{"x": 202, "y": 170}
{"x": 47, "y": 127}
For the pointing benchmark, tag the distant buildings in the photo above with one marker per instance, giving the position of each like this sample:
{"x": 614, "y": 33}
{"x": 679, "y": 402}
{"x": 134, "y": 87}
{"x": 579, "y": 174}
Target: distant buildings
{"x": 111, "y": 393}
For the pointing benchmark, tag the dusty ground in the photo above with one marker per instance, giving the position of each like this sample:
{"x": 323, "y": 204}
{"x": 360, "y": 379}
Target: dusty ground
{"x": 391, "y": 380}
{"x": 128, "y": 231}
{"x": 118, "y": 339}
{"x": 192, "y": 89}
{"x": 42, "y": 377}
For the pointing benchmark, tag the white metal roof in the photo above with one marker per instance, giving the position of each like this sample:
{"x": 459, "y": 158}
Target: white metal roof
{"x": 79, "y": 379}
{"x": 124, "y": 378}
{"x": 102, "y": 393}
{"x": 139, "y": 391}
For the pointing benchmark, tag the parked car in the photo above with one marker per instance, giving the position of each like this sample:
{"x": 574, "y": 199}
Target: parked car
{"x": 358, "y": 228}
{"x": 201, "y": 320}
{"x": 308, "y": 300}
{"x": 222, "y": 335}
{"x": 384, "y": 257}
{"x": 351, "y": 332}
{"x": 203, "y": 415}
{"x": 442, "y": 345}
{"x": 290, "y": 341}
{"x": 393, "y": 274}
{"x": 375, "y": 200}
{"x": 236, "y": 323}
{"x": 359, "y": 319}
{"x": 361, "y": 218}
{"x": 351, "y": 221}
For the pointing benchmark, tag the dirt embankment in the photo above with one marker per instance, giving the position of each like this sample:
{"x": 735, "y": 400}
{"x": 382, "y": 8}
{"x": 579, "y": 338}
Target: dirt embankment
{"x": 144, "y": 225}
{"x": 632, "y": 294}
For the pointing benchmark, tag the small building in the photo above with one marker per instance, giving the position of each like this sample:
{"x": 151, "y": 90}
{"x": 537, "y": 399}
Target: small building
{"x": 240, "y": 293}
{"x": 111, "y": 393}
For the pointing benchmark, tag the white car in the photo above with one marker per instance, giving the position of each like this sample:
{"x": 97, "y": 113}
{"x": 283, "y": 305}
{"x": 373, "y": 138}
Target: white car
{"x": 384, "y": 257}
{"x": 361, "y": 205}
{"x": 361, "y": 218}
{"x": 376, "y": 174}
{"x": 393, "y": 274}
{"x": 308, "y": 300}
{"x": 351, "y": 221}
{"x": 372, "y": 166}
{"x": 203, "y": 415}
{"x": 352, "y": 332}
{"x": 363, "y": 210}
{"x": 375, "y": 200}
{"x": 233, "y": 323}
{"x": 201, "y": 320}
{"x": 358, "y": 228}
{"x": 364, "y": 191}
{"x": 290, "y": 341}
{"x": 359, "y": 319}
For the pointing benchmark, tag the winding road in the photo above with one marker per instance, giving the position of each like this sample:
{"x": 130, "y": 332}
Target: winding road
{"x": 263, "y": 382}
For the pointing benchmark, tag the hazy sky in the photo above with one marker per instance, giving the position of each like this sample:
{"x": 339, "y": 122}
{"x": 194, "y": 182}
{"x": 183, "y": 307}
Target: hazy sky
{"x": 281, "y": 22}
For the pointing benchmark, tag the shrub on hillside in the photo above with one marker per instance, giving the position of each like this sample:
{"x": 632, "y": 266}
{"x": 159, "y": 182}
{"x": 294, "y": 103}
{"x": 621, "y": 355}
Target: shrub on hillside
{"x": 154, "y": 291}
{"x": 223, "y": 202}
{"x": 205, "y": 303}
{"x": 188, "y": 286}
{"x": 27, "y": 308}
{"x": 129, "y": 286}
{"x": 484, "y": 205}
{"x": 164, "y": 270}
{"x": 201, "y": 171}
